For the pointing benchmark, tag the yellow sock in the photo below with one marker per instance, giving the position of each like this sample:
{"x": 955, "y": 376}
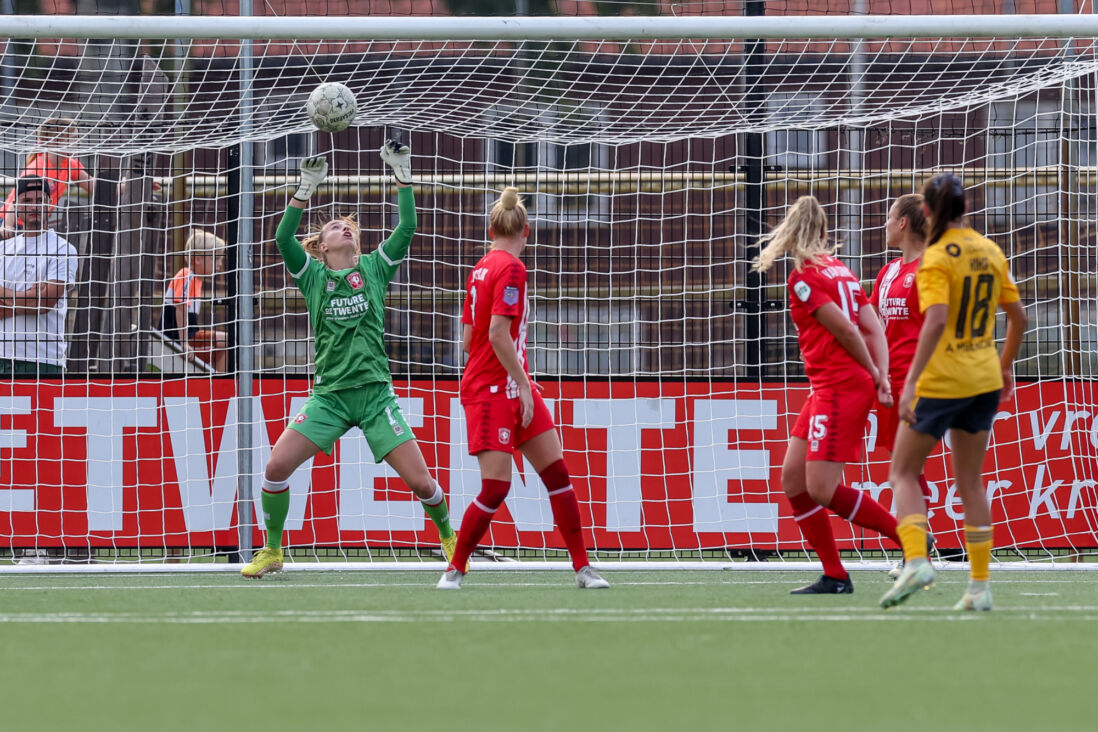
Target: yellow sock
{"x": 912, "y": 531}
{"x": 978, "y": 542}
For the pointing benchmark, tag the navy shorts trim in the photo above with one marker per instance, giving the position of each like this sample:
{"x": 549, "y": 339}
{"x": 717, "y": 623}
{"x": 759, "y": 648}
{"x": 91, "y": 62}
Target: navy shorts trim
{"x": 972, "y": 414}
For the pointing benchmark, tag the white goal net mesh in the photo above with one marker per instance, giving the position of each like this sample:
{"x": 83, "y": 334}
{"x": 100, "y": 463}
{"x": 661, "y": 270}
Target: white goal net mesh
{"x": 649, "y": 166}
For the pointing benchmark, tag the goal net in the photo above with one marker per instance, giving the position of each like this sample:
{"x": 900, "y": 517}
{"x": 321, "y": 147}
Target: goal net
{"x": 652, "y": 152}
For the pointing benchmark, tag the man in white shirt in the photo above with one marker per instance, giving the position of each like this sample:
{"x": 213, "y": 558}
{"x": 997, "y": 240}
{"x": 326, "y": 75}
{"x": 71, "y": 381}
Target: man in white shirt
{"x": 37, "y": 270}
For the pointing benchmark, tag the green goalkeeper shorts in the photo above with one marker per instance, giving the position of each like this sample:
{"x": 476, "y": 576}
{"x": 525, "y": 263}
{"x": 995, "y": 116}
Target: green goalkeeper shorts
{"x": 373, "y": 408}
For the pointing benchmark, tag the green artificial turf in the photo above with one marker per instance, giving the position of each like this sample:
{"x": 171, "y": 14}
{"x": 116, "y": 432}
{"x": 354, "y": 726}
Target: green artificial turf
{"x": 661, "y": 650}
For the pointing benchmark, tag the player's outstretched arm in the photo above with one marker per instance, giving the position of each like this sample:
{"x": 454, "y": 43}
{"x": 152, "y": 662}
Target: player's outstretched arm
{"x": 312, "y": 172}
{"x": 399, "y": 157}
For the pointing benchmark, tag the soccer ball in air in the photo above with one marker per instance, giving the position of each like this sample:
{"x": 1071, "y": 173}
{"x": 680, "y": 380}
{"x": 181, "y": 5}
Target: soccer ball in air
{"x": 331, "y": 107}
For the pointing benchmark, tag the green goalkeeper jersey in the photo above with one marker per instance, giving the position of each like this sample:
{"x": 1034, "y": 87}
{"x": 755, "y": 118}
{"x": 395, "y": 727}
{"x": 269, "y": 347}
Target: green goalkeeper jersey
{"x": 347, "y": 306}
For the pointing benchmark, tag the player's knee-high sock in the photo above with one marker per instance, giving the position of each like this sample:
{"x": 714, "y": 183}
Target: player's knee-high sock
{"x": 477, "y": 518}
{"x": 435, "y": 506}
{"x": 924, "y": 486}
{"x": 276, "y": 504}
{"x": 859, "y": 508}
{"x": 815, "y": 526}
{"x": 912, "y": 531}
{"x": 978, "y": 543}
{"x": 566, "y": 511}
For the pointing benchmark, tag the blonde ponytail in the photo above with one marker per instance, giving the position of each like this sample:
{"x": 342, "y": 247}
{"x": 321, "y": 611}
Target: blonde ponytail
{"x": 802, "y": 233}
{"x": 508, "y": 216}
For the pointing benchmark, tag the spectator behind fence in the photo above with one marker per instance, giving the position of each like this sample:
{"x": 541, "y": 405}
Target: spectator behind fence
{"x": 38, "y": 268}
{"x": 182, "y": 301}
{"x": 59, "y": 170}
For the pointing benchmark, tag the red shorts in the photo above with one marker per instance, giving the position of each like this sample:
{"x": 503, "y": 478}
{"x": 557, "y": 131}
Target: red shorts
{"x": 496, "y": 424}
{"x": 833, "y": 423}
{"x": 888, "y": 418}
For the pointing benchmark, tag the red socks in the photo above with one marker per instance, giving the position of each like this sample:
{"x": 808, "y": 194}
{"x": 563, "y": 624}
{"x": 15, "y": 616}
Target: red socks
{"x": 477, "y": 518}
{"x": 859, "y": 508}
{"x": 815, "y": 526}
{"x": 562, "y": 499}
{"x": 924, "y": 486}
{"x": 566, "y": 512}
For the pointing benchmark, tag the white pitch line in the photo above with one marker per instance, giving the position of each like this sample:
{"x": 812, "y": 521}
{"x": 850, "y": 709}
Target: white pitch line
{"x": 252, "y": 585}
{"x": 587, "y": 615}
{"x": 271, "y": 584}
{"x": 384, "y": 617}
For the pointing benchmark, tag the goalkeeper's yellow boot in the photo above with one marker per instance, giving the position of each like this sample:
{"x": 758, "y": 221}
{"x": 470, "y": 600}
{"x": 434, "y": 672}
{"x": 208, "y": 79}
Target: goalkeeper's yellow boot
{"x": 449, "y": 546}
{"x": 917, "y": 574}
{"x": 265, "y": 561}
{"x": 976, "y": 597}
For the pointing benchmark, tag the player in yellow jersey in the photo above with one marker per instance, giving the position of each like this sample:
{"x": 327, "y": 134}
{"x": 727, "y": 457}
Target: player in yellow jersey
{"x": 956, "y": 383}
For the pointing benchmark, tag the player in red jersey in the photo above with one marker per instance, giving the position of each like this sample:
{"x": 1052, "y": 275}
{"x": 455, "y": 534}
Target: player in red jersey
{"x": 846, "y": 360}
{"x": 502, "y": 409}
{"x": 897, "y": 301}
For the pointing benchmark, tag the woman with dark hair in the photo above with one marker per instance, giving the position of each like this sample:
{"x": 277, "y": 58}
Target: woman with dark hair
{"x": 956, "y": 382}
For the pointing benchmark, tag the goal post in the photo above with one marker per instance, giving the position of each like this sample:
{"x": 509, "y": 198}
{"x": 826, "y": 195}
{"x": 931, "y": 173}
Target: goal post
{"x": 650, "y": 151}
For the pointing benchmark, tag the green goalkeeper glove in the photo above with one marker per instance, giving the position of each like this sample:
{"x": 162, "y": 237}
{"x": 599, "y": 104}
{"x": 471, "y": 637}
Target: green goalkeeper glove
{"x": 399, "y": 157}
{"x": 313, "y": 171}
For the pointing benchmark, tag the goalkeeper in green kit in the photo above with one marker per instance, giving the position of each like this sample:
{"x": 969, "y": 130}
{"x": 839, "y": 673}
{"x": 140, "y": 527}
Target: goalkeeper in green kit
{"x": 345, "y": 294}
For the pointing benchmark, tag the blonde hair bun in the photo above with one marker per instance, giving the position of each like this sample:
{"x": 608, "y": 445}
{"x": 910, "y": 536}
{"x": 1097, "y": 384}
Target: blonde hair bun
{"x": 508, "y": 215}
{"x": 510, "y": 198}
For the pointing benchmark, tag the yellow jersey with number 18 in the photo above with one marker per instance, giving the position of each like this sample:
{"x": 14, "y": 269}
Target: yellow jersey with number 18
{"x": 969, "y": 274}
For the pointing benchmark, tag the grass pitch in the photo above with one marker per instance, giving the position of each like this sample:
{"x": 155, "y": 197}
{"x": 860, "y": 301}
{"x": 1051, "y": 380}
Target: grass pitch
{"x": 666, "y": 650}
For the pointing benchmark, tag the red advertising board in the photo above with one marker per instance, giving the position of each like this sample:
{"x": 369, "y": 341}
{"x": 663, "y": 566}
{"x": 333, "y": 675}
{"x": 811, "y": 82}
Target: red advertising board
{"x": 657, "y": 465}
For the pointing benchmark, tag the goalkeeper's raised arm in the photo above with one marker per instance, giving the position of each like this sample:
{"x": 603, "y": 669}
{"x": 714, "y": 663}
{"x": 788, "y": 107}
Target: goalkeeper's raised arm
{"x": 399, "y": 157}
{"x": 312, "y": 172}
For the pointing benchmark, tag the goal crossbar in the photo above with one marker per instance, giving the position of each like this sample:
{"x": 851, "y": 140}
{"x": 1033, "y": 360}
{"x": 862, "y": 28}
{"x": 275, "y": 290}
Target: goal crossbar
{"x": 548, "y": 28}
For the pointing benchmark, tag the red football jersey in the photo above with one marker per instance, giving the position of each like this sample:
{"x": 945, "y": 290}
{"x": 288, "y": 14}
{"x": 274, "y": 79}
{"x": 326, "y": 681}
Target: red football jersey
{"x": 897, "y": 300}
{"x": 496, "y": 286}
{"x": 826, "y": 362}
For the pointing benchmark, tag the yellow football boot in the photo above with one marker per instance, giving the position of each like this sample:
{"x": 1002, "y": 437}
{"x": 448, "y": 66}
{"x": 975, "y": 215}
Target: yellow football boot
{"x": 265, "y": 561}
{"x": 449, "y": 546}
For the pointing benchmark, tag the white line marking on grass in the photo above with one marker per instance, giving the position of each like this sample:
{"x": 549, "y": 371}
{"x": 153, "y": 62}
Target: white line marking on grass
{"x": 361, "y": 616}
{"x": 1039, "y": 594}
{"x": 496, "y": 582}
{"x": 253, "y": 585}
{"x": 290, "y": 584}
{"x": 587, "y": 615}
